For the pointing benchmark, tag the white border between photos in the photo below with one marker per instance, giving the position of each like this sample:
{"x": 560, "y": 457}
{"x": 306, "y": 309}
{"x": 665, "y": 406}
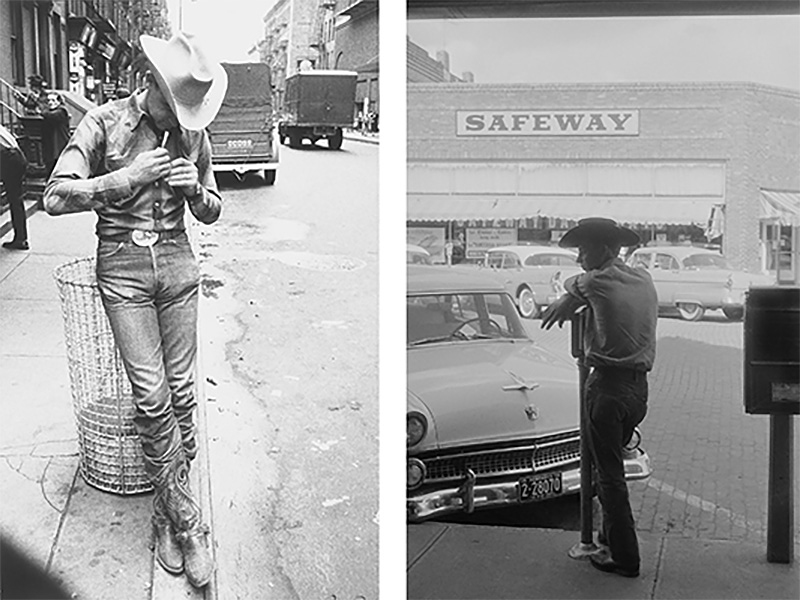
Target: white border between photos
{"x": 392, "y": 285}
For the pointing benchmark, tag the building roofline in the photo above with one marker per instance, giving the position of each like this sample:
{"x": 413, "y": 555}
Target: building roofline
{"x": 639, "y": 86}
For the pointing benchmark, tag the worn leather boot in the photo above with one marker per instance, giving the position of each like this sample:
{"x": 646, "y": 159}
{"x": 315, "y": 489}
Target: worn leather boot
{"x": 184, "y": 513}
{"x": 168, "y": 550}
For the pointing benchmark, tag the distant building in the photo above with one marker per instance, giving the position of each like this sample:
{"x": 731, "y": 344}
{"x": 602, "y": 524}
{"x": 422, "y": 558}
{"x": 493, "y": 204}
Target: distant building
{"x": 422, "y": 68}
{"x": 323, "y": 34}
{"x": 679, "y": 162}
{"x": 357, "y": 49}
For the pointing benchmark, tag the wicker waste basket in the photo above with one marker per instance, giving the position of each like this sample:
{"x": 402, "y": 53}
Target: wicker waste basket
{"x": 111, "y": 457}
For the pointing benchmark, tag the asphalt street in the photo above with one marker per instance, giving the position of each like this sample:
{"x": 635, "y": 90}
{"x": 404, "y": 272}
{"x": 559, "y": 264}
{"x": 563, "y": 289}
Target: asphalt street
{"x": 289, "y": 323}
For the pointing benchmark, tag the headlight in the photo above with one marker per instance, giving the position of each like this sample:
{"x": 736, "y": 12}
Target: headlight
{"x": 416, "y": 428}
{"x": 415, "y": 473}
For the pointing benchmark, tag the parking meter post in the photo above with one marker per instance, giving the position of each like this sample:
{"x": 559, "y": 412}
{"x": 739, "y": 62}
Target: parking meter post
{"x": 586, "y": 546}
{"x": 780, "y": 518}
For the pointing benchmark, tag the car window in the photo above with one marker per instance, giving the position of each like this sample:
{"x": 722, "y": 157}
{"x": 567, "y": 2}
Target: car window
{"x": 511, "y": 261}
{"x": 461, "y": 318}
{"x": 494, "y": 259}
{"x": 541, "y": 260}
{"x": 567, "y": 261}
{"x": 705, "y": 261}
{"x": 641, "y": 259}
{"x": 666, "y": 262}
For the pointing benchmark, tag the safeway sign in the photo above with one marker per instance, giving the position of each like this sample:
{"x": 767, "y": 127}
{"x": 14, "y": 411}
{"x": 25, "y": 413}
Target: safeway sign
{"x": 547, "y": 123}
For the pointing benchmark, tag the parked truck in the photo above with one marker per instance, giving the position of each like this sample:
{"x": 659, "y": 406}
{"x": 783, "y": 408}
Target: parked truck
{"x": 318, "y": 105}
{"x": 242, "y": 134}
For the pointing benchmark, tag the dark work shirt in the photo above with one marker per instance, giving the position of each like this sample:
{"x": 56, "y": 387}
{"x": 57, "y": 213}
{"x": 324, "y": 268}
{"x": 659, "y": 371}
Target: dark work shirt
{"x": 621, "y": 327}
{"x": 91, "y": 173}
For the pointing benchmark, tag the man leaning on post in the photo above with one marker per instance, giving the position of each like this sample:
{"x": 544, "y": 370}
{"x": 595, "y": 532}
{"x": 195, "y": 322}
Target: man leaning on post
{"x": 619, "y": 346}
{"x": 138, "y": 163}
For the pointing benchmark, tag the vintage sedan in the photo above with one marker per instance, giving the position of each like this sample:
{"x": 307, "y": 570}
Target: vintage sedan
{"x": 533, "y": 275}
{"x": 492, "y": 418}
{"x": 417, "y": 255}
{"x": 694, "y": 280}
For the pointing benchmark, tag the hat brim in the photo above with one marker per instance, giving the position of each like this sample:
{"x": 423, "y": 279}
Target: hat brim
{"x": 615, "y": 234}
{"x": 190, "y": 117}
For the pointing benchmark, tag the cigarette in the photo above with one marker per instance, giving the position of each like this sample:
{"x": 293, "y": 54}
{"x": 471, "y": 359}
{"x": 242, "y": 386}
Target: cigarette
{"x": 164, "y": 139}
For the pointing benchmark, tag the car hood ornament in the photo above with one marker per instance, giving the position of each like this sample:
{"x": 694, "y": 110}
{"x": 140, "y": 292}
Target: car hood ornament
{"x": 521, "y": 385}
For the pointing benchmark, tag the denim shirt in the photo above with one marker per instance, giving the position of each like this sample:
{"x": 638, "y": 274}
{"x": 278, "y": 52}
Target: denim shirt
{"x": 621, "y": 325}
{"x": 91, "y": 173}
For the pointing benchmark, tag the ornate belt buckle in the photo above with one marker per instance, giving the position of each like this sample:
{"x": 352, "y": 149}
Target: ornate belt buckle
{"x": 144, "y": 238}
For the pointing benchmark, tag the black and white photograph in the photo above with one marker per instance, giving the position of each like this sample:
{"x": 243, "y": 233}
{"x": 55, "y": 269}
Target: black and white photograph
{"x": 189, "y": 299}
{"x": 602, "y": 229}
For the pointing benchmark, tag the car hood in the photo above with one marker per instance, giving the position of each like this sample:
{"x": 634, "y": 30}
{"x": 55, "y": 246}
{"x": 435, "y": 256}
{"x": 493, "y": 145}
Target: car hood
{"x": 461, "y": 387}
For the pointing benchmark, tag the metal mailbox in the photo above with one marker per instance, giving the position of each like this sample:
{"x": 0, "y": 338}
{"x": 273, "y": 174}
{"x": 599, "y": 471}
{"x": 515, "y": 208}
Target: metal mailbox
{"x": 772, "y": 351}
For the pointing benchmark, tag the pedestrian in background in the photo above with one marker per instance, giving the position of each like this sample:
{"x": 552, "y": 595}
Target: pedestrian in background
{"x": 12, "y": 174}
{"x": 139, "y": 163}
{"x": 34, "y": 100}
{"x": 55, "y": 130}
{"x": 619, "y": 345}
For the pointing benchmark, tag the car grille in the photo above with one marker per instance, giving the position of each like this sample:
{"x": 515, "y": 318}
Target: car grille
{"x": 537, "y": 455}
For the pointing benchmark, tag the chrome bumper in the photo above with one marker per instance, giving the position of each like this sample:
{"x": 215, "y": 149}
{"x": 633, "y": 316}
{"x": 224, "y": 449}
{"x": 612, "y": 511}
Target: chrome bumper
{"x": 469, "y": 495}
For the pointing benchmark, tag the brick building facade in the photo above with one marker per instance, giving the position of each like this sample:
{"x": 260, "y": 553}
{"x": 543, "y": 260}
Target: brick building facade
{"x": 356, "y": 49}
{"x": 670, "y": 160}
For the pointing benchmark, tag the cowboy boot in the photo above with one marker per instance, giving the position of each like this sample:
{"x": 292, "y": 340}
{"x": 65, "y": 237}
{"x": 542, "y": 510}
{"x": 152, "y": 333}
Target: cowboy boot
{"x": 184, "y": 513}
{"x": 168, "y": 551}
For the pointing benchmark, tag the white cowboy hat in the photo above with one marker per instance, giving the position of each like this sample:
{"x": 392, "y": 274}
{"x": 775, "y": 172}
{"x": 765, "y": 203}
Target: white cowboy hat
{"x": 193, "y": 84}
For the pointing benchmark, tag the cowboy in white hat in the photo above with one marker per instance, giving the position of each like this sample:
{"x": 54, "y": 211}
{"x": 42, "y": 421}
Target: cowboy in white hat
{"x": 139, "y": 162}
{"x": 619, "y": 345}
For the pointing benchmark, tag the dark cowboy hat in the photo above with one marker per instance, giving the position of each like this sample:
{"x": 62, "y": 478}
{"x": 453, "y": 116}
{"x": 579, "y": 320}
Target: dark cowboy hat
{"x": 599, "y": 229}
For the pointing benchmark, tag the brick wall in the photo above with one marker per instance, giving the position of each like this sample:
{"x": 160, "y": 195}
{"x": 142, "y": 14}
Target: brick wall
{"x": 753, "y": 129}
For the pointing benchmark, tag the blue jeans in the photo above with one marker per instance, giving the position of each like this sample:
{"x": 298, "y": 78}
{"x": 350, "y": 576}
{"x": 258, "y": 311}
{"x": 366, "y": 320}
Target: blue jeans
{"x": 150, "y": 297}
{"x": 616, "y": 402}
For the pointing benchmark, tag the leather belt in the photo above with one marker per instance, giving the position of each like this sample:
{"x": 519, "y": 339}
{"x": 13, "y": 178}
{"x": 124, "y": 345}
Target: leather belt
{"x": 143, "y": 237}
{"x": 621, "y": 372}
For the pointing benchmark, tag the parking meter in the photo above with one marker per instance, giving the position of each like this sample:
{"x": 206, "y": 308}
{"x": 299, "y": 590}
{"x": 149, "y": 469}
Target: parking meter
{"x": 586, "y": 545}
{"x": 772, "y": 387}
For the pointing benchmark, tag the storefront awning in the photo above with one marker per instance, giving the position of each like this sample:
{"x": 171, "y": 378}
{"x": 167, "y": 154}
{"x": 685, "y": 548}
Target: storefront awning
{"x": 783, "y": 207}
{"x": 628, "y": 210}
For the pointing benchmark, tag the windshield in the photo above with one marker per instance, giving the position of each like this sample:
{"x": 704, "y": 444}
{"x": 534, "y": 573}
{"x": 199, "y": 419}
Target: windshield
{"x": 462, "y": 318}
{"x": 705, "y": 261}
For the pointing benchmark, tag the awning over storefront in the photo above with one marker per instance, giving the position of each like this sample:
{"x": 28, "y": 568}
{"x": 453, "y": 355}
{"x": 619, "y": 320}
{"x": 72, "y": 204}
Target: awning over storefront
{"x": 783, "y": 207}
{"x": 629, "y": 210}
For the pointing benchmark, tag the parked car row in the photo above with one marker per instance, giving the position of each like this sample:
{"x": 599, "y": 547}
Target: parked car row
{"x": 694, "y": 280}
{"x": 688, "y": 279}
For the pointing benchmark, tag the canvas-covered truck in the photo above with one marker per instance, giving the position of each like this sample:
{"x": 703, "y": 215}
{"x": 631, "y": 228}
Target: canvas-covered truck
{"x": 243, "y": 133}
{"x": 318, "y": 105}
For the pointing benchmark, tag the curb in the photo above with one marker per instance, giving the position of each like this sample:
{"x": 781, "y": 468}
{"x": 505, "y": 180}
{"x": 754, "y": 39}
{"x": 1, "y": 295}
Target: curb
{"x": 365, "y": 140}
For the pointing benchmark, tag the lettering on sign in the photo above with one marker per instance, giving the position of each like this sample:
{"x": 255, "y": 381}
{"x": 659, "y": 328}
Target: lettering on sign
{"x": 547, "y": 123}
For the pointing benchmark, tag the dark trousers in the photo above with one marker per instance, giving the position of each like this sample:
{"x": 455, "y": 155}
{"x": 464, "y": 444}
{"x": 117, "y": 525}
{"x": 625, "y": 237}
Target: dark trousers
{"x": 12, "y": 173}
{"x": 616, "y": 402}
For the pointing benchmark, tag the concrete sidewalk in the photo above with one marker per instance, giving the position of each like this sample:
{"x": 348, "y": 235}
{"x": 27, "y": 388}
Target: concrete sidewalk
{"x": 471, "y": 561}
{"x": 368, "y": 138}
{"x": 96, "y": 543}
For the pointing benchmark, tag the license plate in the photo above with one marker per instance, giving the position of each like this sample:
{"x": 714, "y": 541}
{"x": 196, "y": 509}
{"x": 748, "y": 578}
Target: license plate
{"x": 539, "y": 487}
{"x": 239, "y": 144}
